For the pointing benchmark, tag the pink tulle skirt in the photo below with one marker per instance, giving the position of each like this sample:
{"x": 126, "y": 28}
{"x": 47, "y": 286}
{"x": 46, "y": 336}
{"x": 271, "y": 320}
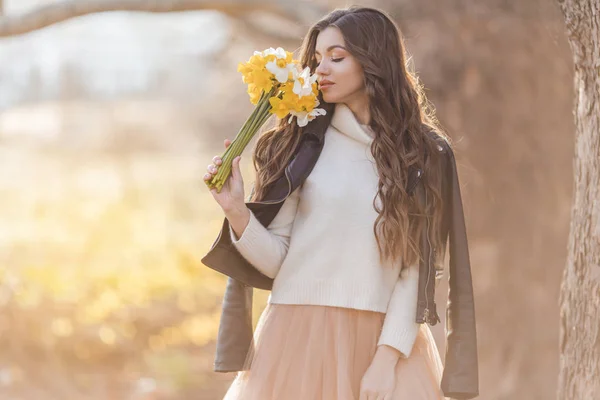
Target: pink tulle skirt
{"x": 314, "y": 352}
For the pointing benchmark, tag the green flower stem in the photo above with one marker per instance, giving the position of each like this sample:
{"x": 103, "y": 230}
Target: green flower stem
{"x": 254, "y": 122}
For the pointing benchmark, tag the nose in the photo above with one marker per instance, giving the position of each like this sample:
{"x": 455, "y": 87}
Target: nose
{"x": 322, "y": 69}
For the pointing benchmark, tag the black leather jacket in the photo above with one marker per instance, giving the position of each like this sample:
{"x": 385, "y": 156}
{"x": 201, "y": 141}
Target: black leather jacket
{"x": 460, "y": 377}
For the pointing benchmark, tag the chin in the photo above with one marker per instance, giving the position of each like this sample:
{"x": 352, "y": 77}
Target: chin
{"x": 331, "y": 99}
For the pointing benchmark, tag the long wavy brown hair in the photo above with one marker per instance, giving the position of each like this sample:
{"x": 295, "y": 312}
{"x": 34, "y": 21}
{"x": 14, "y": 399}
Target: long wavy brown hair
{"x": 401, "y": 118}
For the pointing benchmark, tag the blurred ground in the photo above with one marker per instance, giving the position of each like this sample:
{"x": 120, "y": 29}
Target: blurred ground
{"x": 107, "y": 123}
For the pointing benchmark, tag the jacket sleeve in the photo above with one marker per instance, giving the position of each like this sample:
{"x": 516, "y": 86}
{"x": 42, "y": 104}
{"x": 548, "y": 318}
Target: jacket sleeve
{"x": 460, "y": 379}
{"x": 399, "y": 327}
{"x": 234, "y": 338}
{"x": 266, "y": 248}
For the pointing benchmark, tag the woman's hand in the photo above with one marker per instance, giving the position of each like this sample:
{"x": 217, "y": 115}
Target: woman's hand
{"x": 231, "y": 199}
{"x": 379, "y": 380}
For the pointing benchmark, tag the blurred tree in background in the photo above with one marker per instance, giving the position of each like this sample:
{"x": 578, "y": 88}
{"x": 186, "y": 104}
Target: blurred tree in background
{"x": 580, "y": 291}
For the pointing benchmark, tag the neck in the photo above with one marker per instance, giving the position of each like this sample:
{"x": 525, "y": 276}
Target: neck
{"x": 346, "y": 123}
{"x": 360, "y": 108}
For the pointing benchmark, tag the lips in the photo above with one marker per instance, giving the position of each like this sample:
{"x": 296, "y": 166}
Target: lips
{"x": 325, "y": 84}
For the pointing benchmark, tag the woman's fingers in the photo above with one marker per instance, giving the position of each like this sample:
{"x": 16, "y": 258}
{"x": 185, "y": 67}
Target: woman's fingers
{"x": 211, "y": 168}
{"x": 216, "y": 161}
{"x": 235, "y": 170}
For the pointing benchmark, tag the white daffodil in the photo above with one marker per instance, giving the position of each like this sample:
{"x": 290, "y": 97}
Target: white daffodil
{"x": 303, "y": 86}
{"x": 278, "y": 52}
{"x": 303, "y": 117}
{"x": 279, "y": 67}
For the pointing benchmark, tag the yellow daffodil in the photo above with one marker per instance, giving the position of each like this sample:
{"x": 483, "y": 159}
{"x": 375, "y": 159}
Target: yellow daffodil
{"x": 255, "y": 73}
{"x": 280, "y": 107}
{"x": 276, "y": 85}
{"x": 306, "y": 103}
{"x": 255, "y": 93}
{"x": 304, "y": 117}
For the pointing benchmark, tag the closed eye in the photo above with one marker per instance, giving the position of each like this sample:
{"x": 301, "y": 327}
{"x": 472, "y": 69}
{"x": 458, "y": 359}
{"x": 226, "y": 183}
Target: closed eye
{"x": 333, "y": 60}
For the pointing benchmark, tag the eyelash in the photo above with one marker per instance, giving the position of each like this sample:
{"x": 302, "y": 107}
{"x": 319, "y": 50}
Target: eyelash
{"x": 336, "y": 60}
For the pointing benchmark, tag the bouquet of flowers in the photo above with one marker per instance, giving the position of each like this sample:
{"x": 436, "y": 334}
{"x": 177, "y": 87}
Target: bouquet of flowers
{"x": 276, "y": 85}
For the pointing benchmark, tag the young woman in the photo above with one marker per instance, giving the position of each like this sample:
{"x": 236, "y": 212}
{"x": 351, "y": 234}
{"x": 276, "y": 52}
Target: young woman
{"x": 348, "y": 217}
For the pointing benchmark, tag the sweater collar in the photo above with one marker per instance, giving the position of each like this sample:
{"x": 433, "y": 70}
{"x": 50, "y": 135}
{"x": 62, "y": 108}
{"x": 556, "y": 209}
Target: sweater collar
{"x": 343, "y": 120}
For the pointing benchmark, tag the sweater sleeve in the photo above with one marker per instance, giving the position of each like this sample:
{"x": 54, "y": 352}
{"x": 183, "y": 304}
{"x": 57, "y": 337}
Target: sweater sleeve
{"x": 266, "y": 248}
{"x": 399, "y": 326}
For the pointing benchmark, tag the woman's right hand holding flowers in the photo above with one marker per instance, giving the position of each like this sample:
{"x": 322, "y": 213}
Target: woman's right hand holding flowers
{"x": 231, "y": 198}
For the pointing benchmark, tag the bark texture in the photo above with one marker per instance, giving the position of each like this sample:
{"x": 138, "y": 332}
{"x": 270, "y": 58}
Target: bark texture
{"x": 579, "y": 376}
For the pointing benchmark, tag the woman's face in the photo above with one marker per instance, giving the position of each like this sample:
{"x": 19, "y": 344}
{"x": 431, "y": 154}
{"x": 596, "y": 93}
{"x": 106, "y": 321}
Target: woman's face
{"x": 340, "y": 76}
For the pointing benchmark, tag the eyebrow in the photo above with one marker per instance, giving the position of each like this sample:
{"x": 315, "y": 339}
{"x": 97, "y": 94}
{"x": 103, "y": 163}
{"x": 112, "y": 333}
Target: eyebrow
{"x": 332, "y": 47}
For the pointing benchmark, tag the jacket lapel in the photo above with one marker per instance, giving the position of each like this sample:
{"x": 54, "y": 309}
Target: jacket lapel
{"x": 301, "y": 164}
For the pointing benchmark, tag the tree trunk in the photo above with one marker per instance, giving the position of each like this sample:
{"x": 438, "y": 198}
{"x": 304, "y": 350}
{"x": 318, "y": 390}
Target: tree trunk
{"x": 298, "y": 11}
{"x": 579, "y": 376}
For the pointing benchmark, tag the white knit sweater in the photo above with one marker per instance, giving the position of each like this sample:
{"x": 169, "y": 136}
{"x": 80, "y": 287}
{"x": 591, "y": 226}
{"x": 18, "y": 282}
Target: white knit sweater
{"x": 320, "y": 248}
